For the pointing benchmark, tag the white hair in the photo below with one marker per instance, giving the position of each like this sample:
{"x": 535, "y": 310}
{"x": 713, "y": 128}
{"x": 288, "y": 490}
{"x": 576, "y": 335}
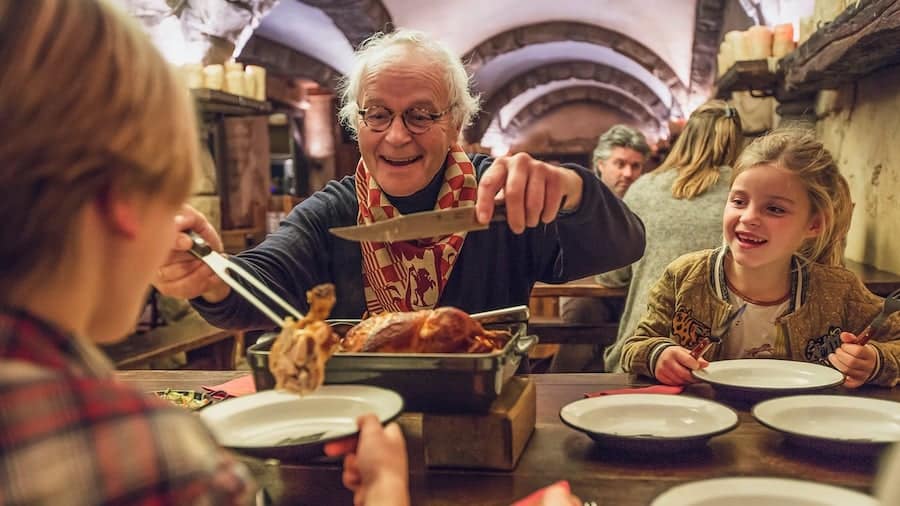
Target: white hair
{"x": 375, "y": 51}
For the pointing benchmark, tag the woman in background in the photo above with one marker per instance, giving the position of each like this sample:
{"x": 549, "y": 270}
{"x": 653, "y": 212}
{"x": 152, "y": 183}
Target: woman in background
{"x": 681, "y": 206}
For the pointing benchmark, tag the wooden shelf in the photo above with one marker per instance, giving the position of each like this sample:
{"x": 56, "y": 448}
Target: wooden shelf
{"x": 755, "y": 76}
{"x": 220, "y": 102}
{"x": 861, "y": 40}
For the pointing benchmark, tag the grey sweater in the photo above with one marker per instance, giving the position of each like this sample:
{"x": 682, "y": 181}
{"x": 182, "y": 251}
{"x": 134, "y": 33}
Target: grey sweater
{"x": 673, "y": 227}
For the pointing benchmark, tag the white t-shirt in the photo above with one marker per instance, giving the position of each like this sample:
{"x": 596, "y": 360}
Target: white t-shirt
{"x": 752, "y": 335}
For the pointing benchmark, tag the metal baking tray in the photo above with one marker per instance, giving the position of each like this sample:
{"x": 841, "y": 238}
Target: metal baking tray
{"x": 428, "y": 382}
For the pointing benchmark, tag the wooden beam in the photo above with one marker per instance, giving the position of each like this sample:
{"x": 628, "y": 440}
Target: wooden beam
{"x": 861, "y": 40}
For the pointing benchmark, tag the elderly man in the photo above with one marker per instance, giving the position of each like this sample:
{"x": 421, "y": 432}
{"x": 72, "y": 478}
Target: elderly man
{"x": 407, "y": 99}
{"x": 619, "y": 157}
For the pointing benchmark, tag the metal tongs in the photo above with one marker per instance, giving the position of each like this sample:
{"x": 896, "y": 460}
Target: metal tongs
{"x": 891, "y": 305}
{"x": 716, "y": 335}
{"x": 226, "y": 269}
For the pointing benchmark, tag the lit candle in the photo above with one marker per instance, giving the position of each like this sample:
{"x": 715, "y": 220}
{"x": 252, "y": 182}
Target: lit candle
{"x": 760, "y": 42}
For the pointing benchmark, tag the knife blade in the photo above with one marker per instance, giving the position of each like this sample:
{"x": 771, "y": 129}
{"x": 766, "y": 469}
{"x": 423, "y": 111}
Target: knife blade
{"x": 419, "y": 225}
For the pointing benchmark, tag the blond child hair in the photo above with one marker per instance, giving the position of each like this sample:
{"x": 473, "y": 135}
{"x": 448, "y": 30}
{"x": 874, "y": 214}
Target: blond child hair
{"x": 711, "y": 139}
{"x": 829, "y": 194}
{"x": 87, "y": 106}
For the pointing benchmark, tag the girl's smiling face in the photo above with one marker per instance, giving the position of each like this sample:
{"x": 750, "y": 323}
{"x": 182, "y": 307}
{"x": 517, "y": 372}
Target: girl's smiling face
{"x": 768, "y": 216}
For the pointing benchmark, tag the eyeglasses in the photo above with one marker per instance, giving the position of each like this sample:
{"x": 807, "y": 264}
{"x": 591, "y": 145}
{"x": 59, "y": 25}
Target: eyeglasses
{"x": 417, "y": 120}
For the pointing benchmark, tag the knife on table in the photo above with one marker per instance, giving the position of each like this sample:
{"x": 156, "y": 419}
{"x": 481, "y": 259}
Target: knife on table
{"x": 419, "y": 225}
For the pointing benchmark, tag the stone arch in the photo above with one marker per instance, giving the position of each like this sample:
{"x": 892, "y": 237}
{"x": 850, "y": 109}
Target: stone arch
{"x": 558, "y": 31}
{"x": 286, "y": 61}
{"x": 593, "y": 94}
{"x": 560, "y": 71}
{"x": 356, "y": 19}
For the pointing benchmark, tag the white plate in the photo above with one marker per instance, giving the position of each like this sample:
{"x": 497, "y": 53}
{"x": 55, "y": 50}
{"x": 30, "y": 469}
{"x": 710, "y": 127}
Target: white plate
{"x": 760, "y": 374}
{"x": 649, "y": 422}
{"x": 285, "y": 425}
{"x": 757, "y": 491}
{"x": 818, "y": 419}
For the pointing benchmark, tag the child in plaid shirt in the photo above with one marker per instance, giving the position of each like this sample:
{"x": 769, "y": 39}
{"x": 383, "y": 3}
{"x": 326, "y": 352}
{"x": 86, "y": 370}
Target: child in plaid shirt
{"x": 98, "y": 152}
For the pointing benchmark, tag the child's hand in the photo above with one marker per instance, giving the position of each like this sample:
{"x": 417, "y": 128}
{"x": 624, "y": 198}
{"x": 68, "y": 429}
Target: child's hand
{"x": 855, "y": 361}
{"x": 376, "y": 469}
{"x": 674, "y": 366}
{"x": 558, "y": 495}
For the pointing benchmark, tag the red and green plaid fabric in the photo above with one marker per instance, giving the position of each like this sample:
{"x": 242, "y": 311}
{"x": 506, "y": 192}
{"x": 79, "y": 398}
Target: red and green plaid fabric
{"x": 71, "y": 435}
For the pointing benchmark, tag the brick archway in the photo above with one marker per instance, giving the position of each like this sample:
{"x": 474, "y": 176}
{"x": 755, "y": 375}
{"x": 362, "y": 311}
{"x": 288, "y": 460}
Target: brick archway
{"x": 585, "y": 70}
{"x": 559, "y": 31}
{"x": 591, "y": 94}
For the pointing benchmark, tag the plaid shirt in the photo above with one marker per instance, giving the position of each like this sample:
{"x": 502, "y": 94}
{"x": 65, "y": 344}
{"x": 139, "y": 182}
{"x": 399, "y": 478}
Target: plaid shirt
{"x": 71, "y": 435}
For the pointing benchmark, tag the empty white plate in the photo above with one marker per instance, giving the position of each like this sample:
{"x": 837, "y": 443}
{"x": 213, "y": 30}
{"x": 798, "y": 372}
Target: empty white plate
{"x": 767, "y": 375}
{"x": 821, "y": 420}
{"x": 755, "y": 491}
{"x": 649, "y": 422}
{"x": 285, "y": 425}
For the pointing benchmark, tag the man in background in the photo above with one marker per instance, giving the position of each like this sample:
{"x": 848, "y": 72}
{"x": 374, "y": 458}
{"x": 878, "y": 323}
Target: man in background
{"x": 618, "y": 161}
{"x": 619, "y": 157}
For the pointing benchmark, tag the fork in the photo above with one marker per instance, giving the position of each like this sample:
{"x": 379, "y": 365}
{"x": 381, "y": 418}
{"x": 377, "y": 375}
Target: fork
{"x": 716, "y": 335}
{"x": 891, "y": 305}
{"x": 226, "y": 269}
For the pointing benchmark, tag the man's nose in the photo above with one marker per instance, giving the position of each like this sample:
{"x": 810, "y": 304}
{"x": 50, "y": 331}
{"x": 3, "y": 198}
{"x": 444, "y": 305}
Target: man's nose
{"x": 397, "y": 132}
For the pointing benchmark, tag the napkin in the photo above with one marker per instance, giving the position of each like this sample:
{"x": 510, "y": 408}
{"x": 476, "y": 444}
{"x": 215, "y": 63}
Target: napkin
{"x": 535, "y": 497}
{"x": 652, "y": 389}
{"x": 234, "y": 388}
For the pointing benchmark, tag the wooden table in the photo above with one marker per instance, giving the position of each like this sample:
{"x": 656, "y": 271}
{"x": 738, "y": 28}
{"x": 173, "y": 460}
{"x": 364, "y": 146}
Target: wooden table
{"x": 879, "y": 282}
{"x": 556, "y": 452}
{"x": 215, "y": 348}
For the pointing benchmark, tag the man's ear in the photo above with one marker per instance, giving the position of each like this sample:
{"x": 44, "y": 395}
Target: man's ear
{"x": 120, "y": 211}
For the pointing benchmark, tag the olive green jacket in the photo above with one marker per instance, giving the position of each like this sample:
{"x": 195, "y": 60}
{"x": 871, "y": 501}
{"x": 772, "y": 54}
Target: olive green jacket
{"x": 692, "y": 297}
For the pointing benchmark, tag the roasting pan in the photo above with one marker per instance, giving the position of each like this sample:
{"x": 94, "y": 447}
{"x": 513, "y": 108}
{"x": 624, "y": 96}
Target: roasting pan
{"x": 428, "y": 382}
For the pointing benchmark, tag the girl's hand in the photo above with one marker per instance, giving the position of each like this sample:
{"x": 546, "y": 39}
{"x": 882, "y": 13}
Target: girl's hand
{"x": 855, "y": 361}
{"x": 674, "y": 366}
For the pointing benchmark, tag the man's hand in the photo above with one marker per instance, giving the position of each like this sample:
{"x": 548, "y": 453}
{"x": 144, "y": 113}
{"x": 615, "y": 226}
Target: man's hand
{"x": 533, "y": 191}
{"x": 855, "y": 361}
{"x": 183, "y": 275}
{"x": 674, "y": 366}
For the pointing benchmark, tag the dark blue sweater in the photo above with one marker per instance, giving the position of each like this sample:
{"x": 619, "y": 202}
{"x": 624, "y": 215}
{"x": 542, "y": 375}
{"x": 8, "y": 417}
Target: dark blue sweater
{"x": 496, "y": 268}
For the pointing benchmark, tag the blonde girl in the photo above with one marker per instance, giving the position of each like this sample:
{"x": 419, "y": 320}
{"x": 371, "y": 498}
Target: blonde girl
{"x": 785, "y": 226}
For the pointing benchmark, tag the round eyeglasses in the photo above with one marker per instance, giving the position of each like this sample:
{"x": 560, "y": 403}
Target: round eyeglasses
{"x": 417, "y": 120}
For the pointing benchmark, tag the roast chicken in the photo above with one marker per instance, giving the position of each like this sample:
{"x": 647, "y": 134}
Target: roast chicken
{"x": 298, "y": 355}
{"x": 441, "y": 330}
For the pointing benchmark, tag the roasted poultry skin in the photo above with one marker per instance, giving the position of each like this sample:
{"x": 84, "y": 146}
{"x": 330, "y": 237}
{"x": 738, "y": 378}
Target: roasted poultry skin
{"x": 298, "y": 355}
{"x": 441, "y": 330}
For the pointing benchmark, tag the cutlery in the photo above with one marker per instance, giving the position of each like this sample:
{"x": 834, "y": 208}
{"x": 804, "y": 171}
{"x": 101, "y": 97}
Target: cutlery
{"x": 419, "y": 225}
{"x": 227, "y": 270}
{"x": 891, "y": 305}
{"x": 716, "y": 335}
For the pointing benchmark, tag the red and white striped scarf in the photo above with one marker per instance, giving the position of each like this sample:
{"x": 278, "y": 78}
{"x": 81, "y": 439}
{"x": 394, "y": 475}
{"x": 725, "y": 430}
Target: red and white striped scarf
{"x": 411, "y": 275}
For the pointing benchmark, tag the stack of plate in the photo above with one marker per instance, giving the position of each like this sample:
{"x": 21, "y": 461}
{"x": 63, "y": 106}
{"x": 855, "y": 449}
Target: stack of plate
{"x": 649, "y": 422}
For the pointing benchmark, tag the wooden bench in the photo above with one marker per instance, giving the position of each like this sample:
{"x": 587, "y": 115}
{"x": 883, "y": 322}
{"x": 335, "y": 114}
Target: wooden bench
{"x": 208, "y": 347}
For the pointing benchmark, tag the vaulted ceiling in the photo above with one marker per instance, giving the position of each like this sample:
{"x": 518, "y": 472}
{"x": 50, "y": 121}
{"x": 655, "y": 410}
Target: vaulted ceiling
{"x": 651, "y": 60}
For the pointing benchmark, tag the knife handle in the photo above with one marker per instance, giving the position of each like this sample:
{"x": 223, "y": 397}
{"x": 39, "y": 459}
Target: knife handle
{"x": 499, "y": 212}
{"x": 500, "y": 209}
{"x": 865, "y": 335}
